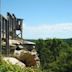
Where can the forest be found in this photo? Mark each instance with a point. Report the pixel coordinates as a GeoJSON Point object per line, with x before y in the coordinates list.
{"type": "Point", "coordinates": [55, 54]}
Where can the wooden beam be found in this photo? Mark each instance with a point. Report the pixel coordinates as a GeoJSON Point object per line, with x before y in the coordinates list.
{"type": "Point", "coordinates": [7, 36]}
{"type": "Point", "coordinates": [0, 28]}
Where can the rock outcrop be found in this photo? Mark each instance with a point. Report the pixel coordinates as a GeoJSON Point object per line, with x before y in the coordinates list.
{"type": "Point", "coordinates": [18, 54]}
{"type": "Point", "coordinates": [14, 61]}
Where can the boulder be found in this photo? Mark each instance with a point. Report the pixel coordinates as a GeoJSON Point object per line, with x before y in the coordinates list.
{"type": "Point", "coordinates": [14, 61]}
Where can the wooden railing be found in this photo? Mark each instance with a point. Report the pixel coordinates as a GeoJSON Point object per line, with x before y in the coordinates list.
{"type": "Point", "coordinates": [8, 27]}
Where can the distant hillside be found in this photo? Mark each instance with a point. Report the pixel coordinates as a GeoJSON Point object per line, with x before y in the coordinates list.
{"type": "Point", "coordinates": [69, 41]}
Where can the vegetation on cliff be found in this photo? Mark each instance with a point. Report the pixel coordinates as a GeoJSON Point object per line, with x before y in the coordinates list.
{"type": "Point", "coordinates": [8, 67]}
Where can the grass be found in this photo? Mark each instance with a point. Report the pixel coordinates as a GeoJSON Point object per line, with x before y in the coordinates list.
{"type": "Point", "coordinates": [7, 67]}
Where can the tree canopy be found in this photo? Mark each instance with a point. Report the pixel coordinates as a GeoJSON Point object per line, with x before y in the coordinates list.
{"type": "Point", "coordinates": [55, 54]}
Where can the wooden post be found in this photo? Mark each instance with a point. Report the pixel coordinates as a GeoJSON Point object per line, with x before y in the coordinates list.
{"type": "Point", "coordinates": [19, 26]}
{"type": "Point", "coordinates": [3, 21]}
{"type": "Point", "coordinates": [0, 34]}
{"type": "Point", "coordinates": [7, 36]}
{"type": "Point", "coordinates": [0, 28]}
{"type": "Point", "coordinates": [14, 26]}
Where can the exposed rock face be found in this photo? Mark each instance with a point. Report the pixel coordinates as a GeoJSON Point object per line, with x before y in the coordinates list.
{"type": "Point", "coordinates": [18, 53]}
{"type": "Point", "coordinates": [34, 53]}
{"type": "Point", "coordinates": [14, 61]}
